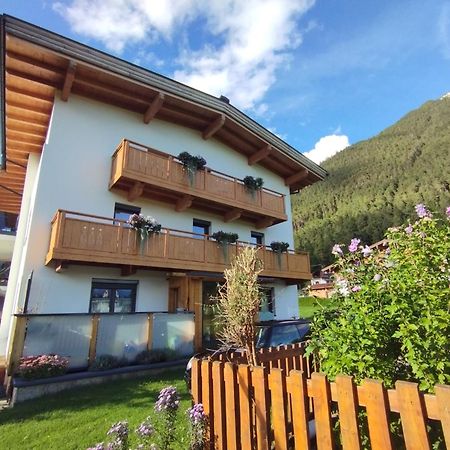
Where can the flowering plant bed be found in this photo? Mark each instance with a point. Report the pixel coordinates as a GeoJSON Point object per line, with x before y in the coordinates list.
{"type": "Point", "coordinates": [146, 225]}
{"type": "Point", "coordinates": [253, 184]}
{"type": "Point", "coordinates": [279, 247]}
{"type": "Point", "coordinates": [42, 366]}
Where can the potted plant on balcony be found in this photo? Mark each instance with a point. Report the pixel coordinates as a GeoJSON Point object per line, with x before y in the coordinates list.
{"type": "Point", "coordinates": [144, 226]}
{"type": "Point", "coordinates": [191, 164]}
{"type": "Point", "coordinates": [278, 248]}
{"type": "Point", "coordinates": [253, 185]}
{"type": "Point", "coordinates": [223, 239]}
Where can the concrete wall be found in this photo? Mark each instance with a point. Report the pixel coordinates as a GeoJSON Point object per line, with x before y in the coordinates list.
{"type": "Point", "coordinates": [74, 175]}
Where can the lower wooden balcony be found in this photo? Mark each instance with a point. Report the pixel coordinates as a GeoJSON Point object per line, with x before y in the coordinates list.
{"type": "Point", "coordinates": [87, 239]}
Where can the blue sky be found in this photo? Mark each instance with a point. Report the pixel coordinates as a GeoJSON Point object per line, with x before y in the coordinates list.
{"type": "Point", "coordinates": [319, 73]}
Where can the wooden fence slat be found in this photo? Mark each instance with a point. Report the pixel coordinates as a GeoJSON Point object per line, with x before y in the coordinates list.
{"type": "Point", "coordinates": [412, 415]}
{"type": "Point", "coordinates": [246, 425]}
{"type": "Point", "coordinates": [232, 407]}
{"type": "Point", "coordinates": [218, 405]}
{"type": "Point", "coordinates": [443, 401]}
{"type": "Point", "coordinates": [259, 382]}
{"type": "Point", "coordinates": [322, 411]}
{"type": "Point", "coordinates": [196, 388]}
{"type": "Point", "coordinates": [348, 412]}
{"type": "Point", "coordinates": [207, 399]}
{"type": "Point", "coordinates": [296, 385]}
{"type": "Point", "coordinates": [277, 385]}
{"type": "Point", "coordinates": [377, 415]}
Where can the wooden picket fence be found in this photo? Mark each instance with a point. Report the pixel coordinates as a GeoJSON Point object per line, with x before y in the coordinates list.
{"type": "Point", "coordinates": [261, 408]}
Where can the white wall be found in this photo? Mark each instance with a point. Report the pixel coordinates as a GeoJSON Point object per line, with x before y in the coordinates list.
{"type": "Point", "coordinates": [74, 175]}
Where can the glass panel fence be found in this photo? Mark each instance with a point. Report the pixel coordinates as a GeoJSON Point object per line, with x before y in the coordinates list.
{"type": "Point", "coordinates": [174, 331]}
{"type": "Point", "coordinates": [62, 335]}
{"type": "Point", "coordinates": [123, 336]}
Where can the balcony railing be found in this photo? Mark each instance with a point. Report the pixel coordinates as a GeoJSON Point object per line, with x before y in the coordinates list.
{"type": "Point", "coordinates": [140, 170]}
{"type": "Point", "coordinates": [77, 237]}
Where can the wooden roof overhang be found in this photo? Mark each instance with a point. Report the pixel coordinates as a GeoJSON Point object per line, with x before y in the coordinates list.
{"type": "Point", "coordinates": [37, 64]}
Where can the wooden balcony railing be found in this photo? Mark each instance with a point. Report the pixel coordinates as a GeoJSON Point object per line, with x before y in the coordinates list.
{"type": "Point", "coordinates": [77, 237]}
{"type": "Point", "coordinates": [142, 171]}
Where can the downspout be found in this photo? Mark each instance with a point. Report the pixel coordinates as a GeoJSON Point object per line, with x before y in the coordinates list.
{"type": "Point", "coordinates": [2, 94]}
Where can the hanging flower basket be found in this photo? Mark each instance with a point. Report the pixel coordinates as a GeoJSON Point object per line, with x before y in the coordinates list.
{"type": "Point", "coordinates": [253, 185]}
{"type": "Point", "coordinates": [145, 227]}
{"type": "Point", "coordinates": [191, 164]}
{"type": "Point", "coordinates": [224, 239]}
{"type": "Point", "coordinates": [278, 248]}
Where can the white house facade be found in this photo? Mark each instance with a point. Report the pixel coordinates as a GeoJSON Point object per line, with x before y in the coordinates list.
{"type": "Point", "coordinates": [89, 140]}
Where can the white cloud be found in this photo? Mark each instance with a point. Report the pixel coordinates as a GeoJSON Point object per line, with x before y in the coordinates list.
{"type": "Point", "coordinates": [327, 146]}
{"type": "Point", "coordinates": [249, 40]}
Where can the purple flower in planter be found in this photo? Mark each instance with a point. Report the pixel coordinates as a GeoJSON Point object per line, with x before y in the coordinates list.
{"type": "Point", "coordinates": [422, 211]}
{"type": "Point", "coordinates": [167, 400]}
{"type": "Point", "coordinates": [354, 245]}
{"type": "Point", "coordinates": [409, 229]}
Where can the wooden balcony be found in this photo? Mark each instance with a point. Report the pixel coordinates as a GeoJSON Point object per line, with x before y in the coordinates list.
{"type": "Point", "coordinates": [141, 171]}
{"type": "Point", "coordinates": [85, 239]}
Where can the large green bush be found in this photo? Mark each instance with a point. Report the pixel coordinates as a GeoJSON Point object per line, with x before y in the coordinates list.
{"type": "Point", "coordinates": [389, 317]}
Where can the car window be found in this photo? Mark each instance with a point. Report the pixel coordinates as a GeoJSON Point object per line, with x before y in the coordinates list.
{"type": "Point", "coordinates": [262, 336]}
{"type": "Point", "coordinates": [283, 335]}
{"type": "Point", "coordinates": [303, 329]}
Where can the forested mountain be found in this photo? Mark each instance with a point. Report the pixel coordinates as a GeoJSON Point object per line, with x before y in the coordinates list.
{"type": "Point", "coordinates": [375, 184]}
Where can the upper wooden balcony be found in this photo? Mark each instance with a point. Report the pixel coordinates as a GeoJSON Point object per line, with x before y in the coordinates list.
{"type": "Point", "coordinates": [86, 239]}
{"type": "Point", "coordinates": [142, 171]}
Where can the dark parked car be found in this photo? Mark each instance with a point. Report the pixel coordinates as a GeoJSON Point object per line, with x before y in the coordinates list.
{"type": "Point", "coordinates": [268, 334]}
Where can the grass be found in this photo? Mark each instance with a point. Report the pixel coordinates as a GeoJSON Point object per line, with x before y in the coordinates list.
{"type": "Point", "coordinates": [307, 306]}
{"type": "Point", "coordinates": [80, 418]}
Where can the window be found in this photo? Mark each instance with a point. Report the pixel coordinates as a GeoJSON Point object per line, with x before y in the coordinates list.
{"type": "Point", "coordinates": [256, 238]}
{"type": "Point", "coordinates": [123, 212]}
{"type": "Point", "coordinates": [201, 226]}
{"type": "Point", "coordinates": [267, 300]}
{"type": "Point", "coordinates": [113, 297]}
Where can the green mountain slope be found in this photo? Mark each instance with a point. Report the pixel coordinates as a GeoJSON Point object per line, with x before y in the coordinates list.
{"type": "Point", "coordinates": [375, 184]}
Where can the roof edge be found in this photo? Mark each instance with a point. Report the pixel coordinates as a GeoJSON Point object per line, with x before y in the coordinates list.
{"type": "Point", "coordinates": [72, 49]}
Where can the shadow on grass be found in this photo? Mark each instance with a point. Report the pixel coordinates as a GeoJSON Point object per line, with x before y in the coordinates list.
{"type": "Point", "coordinates": [131, 393]}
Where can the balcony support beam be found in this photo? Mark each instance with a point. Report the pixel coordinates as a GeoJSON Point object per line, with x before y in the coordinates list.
{"type": "Point", "coordinates": [154, 107]}
{"type": "Point", "coordinates": [183, 203]}
{"type": "Point", "coordinates": [135, 191]}
{"type": "Point", "coordinates": [264, 223]}
{"type": "Point", "coordinates": [68, 81]}
{"type": "Point", "coordinates": [60, 266]}
{"type": "Point", "coordinates": [232, 215]}
{"type": "Point", "coordinates": [213, 127]}
{"type": "Point", "coordinates": [296, 177]}
{"type": "Point", "coordinates": [127, 270]}
{"type": "Point", "coordinates": [259, 155]}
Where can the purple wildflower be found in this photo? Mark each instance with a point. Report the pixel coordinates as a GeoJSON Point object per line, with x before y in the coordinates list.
{"type": "Point", "coordinates": [337, 250]}
{"type": "Point", "coordinates": [366, 251]}
{"type": "Point", "coordinates": [377, 277]}
{"type": "Point", "coordinates": [197, 414]}
{"type": "Point", "coordinates": [356, 288]}
{"type": "Point", "coordinates": [167, 400]}
{"type": "Point", "coordinates": [119, 428]}
{"type": "Point", "coordinates": [447, 211]}
{"type": "Point", "coordinates": [422, 211]}
{"type": "Point", "coordinates": [409, 229]}
{"type": "Point", "coordinates": [354, 245]}
{"type": "Point", "coordinates": [99, 446]}
{"type": "Point", "coordinates": [145, 429]}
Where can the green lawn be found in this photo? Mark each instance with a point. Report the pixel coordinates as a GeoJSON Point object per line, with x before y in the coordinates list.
{"type": "Point", "coordinates": [307, 306]}
{"type": "Point", "coordinates": [81, 417]}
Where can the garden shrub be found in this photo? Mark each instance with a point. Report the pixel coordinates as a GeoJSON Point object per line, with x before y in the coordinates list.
{"type": "Point", "coordinates": [156, 355]}
{"type": "Point", "coordinates": [106, 362]}
{"type": "Point", "coordinates": [389, 316]}
{"type": "Point", "coordinates": [42, 366]}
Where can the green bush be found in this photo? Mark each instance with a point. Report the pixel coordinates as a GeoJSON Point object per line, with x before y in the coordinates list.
{"type": "Point", "coordinates": [389, 318]}
{"type": "Point", "coordinates": [156, 355]}
{"type": "Point", "coordinates": [107, 362]}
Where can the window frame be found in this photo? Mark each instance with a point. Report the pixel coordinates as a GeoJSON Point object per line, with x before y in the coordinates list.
{"type": "Point", "coordinates": [112, 286]}
{"type": "Point", "coordinates": [257, 235]}
{"type": "Point", "coordinates": [126, 209]}
{"type": "Point", "coordinates": [201, 223]}
{"type": "Point", "coordinates": [271, 308]}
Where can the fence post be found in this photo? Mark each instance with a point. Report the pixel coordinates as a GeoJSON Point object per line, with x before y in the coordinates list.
{"type": "Point", "coordinates": [277, 385]}
{"type": "Point", "coordinates": [17, 343]}
{"type": "Point", "coordinates": [93, 341]}
{"type": "Point", "coordinates": [322, 411]}
{"type": "Point", "coordinates": [207, 399]}
{"type": "Point", "coordinates": [297, 387]}
{"type": "Point", "coordinates": [246, 423]}
{"type": "Point", "coordinates": [348, 412]}
{"type": "Point", "coordinates": [412, 415]}
{"type": "Point", "coordinates": [149, 331]}
{"type": "Point", "coordinates": [232, 406]}
{"type": "Point", "coordinates": [196, 387]}
{"type": "Point", "coordinates": [377, 415]}
{"type": "Point", "coordinates": [219, 406]}
{"type": "Point", "coordinates": [259, 382]}
{"type": "Point", "coordinates": [443, 402]}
